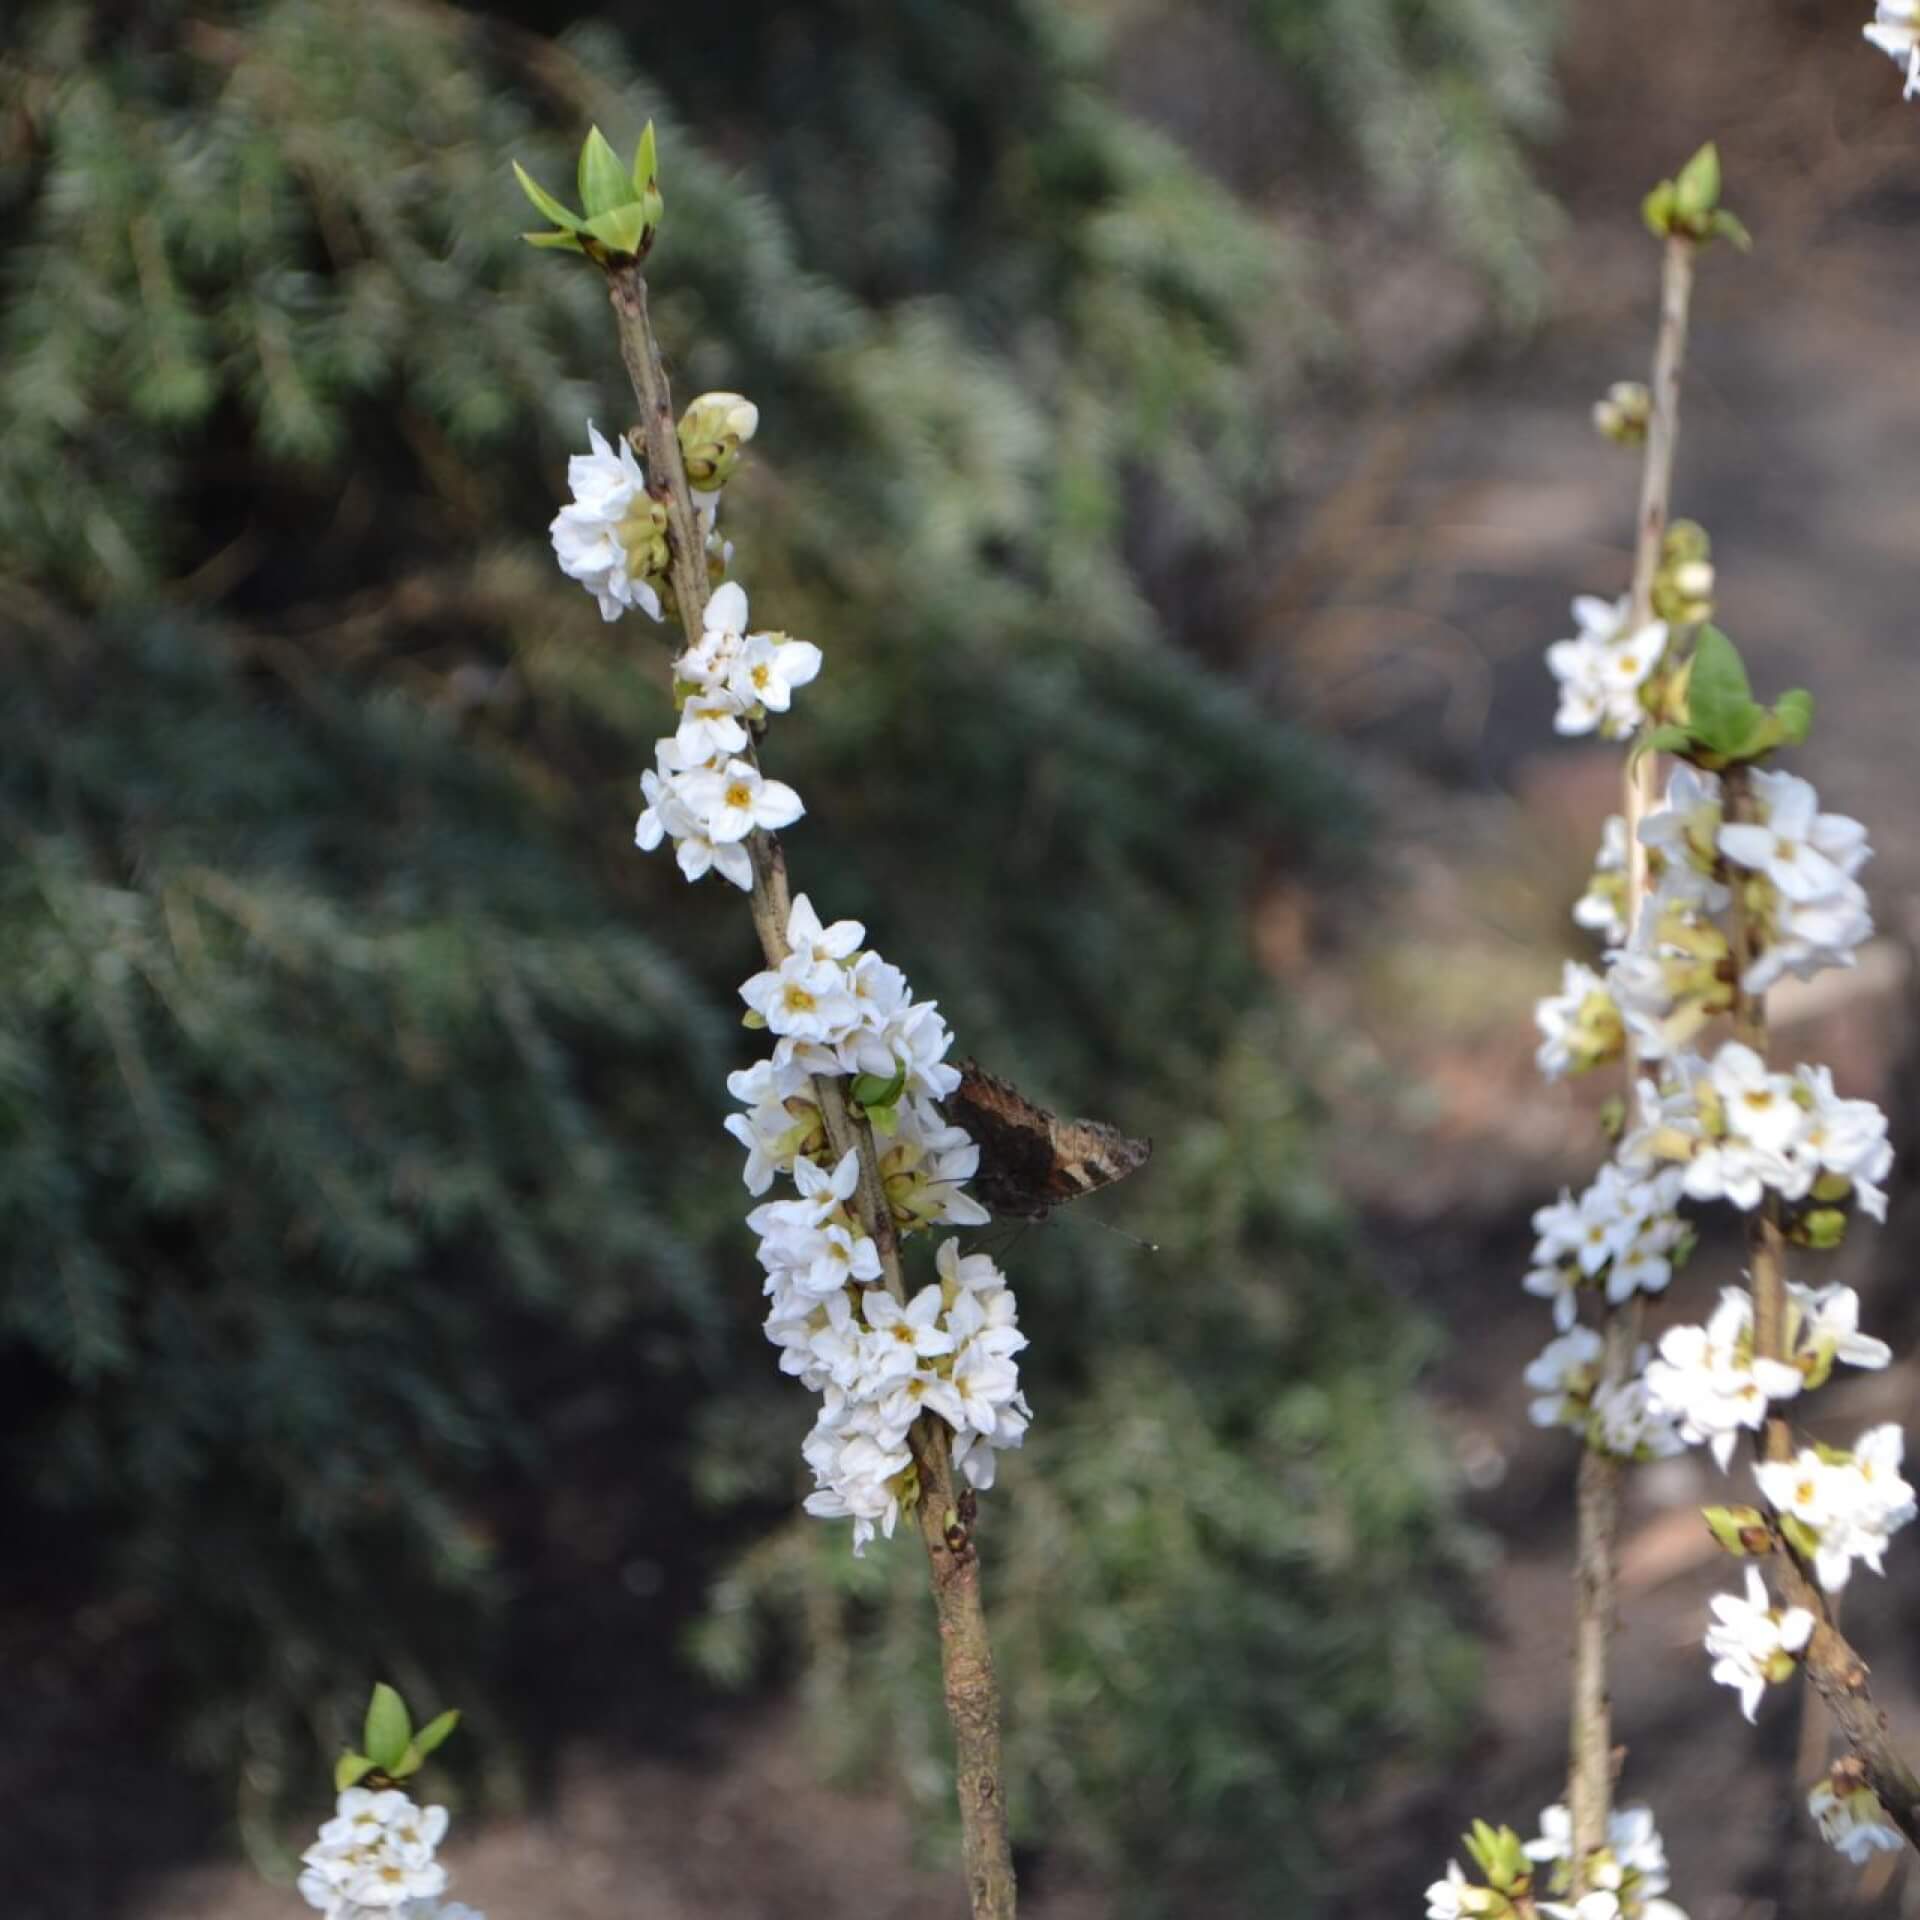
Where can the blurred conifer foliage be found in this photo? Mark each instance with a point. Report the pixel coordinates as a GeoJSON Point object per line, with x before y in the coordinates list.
{"type": "Point", "coordinates": [372, 1289]}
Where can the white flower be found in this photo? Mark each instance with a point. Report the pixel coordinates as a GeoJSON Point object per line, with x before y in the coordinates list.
{"type": "Point", "coordinates": [1847, 1137]}
{"type": "Point", "coordinates": [768, 669]}
{"type": "Point", "coordinates": [1628, 1423]}
{"type": "Point", "coordinates": [1599, 908]}
{"type": "Point", "coordinates": [1760, 1107]}
{"type": "Point", "coordinates": [1752, 1643]}
{"type": "Point", "coordinates": [1853, 1823]}
{"type": "Point", "coordinates": [1707, 1382]}
{"type": "Point", "coordinates": [375, 1854]}
{"type": "Point", "coordinates": [1562, 1376]}
{"type": "Point", "coordinates": [1827, 1326]}
{"type": "Point", "coordinates": [1807, 854]}
{"type": "Point", "coordinates": [591, 534]}
{"type": "Point", "coordinates": [1446, 1899]}
{"type": "Point", "coordinates": [1601, 669]}
{"type": "Point", "coordinates": [737, 799]}
{"type": "Point", "coordinates": [1853, 1505]}
{"type": "Point", "coordinates": [1578, 1026]}
{"type": "Point", "coordinates": [1896, 32]}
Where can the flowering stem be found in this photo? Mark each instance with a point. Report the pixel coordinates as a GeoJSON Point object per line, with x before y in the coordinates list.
{"type": "Point", "coordinates": [1590, 1763]}
{"type": "Point", "coordinates": [945, 1515]}
{"type": "Point", "coordinates": [1837, 1673]}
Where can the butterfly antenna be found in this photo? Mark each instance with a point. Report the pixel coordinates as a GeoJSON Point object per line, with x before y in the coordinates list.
{"type": "Point", "coordinates": [1107, 1226]}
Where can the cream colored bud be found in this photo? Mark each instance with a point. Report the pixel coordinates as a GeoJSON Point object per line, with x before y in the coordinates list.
{"type": "Point", "coordinates": [1694, 580]}
{"type": "Point", "coordinates": [712, 431]}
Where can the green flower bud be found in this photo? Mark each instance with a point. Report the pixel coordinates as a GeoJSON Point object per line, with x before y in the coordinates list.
{"type": "Point", "coordinates": [623, 208]}
{"type": "Point", "coordinates": [712, 432]}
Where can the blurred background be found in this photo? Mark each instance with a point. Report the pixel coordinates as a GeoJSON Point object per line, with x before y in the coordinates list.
{"type": "Point", "coordinates": [1174, 428]}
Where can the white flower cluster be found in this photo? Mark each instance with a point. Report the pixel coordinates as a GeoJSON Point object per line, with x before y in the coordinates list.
{"type": "Point", "coordinates": [1601, 669]}
{"type": "Point", "coordinates": [1814, 912]}
{"type": "Point", "coordinates": [1852, 1821]}
{"type": "Point", "coordinates": [1737, 1129]}
{"type": "Point", "coordinates": [877, 1363]}
{"type": "Point", "coordinates": [1629, 1874]}
{"type": "Point", "coordinates": [1622, 1235]}
{"type": "Point", "coordinates": [375, 1857]}
{"type": "Point", "coordinates": [1619, 1418]}
{"type": "Point", "coordinates": [1708, 1382]}
{"type": "Point", "coordinates": [611, 536]}
{"type": "Point", "coordinates": [706, 793]}
{"type": "Point", "coordinates": [1752, 1643]}
{"type": "Point", "coordinates": [1848, 1506]}
{"type": "Point", "coordinates": [1896, 32]}
{"type": "Point", "coordinates": [1628, 1881]}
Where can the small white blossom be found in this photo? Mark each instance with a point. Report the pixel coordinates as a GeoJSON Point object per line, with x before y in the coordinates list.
{"type": "Point", "coordinates": [1752, 1643]}
{"type": "Point", "coordinates": [1601, 669]}
{"type": "Point", "coordinates": [1852, 1505]}
{"type": "Point", "coordinates": [1600, 909]}
{"type": "Point", "coordinates": [1579, 1025]}
{"type": "Point", "coordinates": [1853, 1823]}
{"type": "Point", "coordinates": [1562, 1376]}
{"type": "Point", "coordinates": [592, 533]}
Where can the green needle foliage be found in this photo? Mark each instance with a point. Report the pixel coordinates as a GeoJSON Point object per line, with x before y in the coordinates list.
{"type": "Point", "coordinates": [360, 1087]}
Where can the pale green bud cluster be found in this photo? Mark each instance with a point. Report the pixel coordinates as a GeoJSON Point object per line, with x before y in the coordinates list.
{"type": "Point", "coordinates": [1683, 586]}
{"type": "Point", "coordinates": [1688, 206]}
{"type": "Point", "coordinates": [1622, 415]}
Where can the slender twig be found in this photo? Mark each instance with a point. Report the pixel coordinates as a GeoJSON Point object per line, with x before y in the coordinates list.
{"type": "Point", "coordinates": [944, 1513]}
{"type": "Point", "coordinates": [1590, 1761]}
{"type": "Point", "coordinates": [1835, 1671]}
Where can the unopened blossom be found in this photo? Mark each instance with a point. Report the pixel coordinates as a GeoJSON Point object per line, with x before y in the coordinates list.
{"type": "Point", "coordinates": [1601, 669]}
{"type": "Point", "coordinates": [1754, 1644]}
{"type": "Point", "coordinates": [1850, 1504]}
{"type": "Point", "coordinates": [1895, 30]}
{"type": "Point", "coordinates": [1853, 1822]}
{"type": "Point", "coordinates": [610, 536]}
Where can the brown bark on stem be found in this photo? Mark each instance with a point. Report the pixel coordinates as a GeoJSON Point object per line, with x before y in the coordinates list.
{"type": "Point", "coordinates": [1833, 1669]}
{"type": "Point", "coordinates": [1590, 1756]}
{"type": "Point", "coordinates": [944, 1513]}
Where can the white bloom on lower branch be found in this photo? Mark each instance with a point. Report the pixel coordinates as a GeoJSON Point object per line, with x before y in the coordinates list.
{"type": "Point", "coordinates": [1842, 1507]}
{"type": "Point", "coordinates": [1752, 1643]}
{"type": "Point", "coordinates": [1579, 1026]}
{"type": "Point", "coordinates": [1852, 1821]}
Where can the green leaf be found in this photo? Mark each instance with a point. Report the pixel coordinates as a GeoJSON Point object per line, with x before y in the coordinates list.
{"type": "Point", "coordinates": [1719, 696]}
{"type": "Point", "coordinates": [1729, 226]}
{"type": "Point", "coordinates": [1697, 191]}
{"type": "Point", "coordinates": [350, 1769]}
{"type": "Point", "coordinates": [409, 1762]}
{"type": "Point", "coordinates": [1668, 739]}
{"type": "Point", "coordinates": [1657, 209]}
{"type": "Point", "coordinates": [570, 241]}
{"type": "Point", "coordinates": [603, 180]}
{"type": "Point", "coordinates": [560, 216]}
{"type": "Point", "coordinates": [645, 165]}
{"type": "Point", "coordinates": [388, 1727]}
{"type": "Point", "coordinates": [1794, 711]}
{"type": "Point", "coordinates": [622, 228]}
{"type": "Point", "coordinates": [435, 1732]}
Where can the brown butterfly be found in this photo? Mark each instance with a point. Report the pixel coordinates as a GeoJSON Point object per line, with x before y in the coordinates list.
{"type": "Point", "coordinates": [1031, 1160]}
